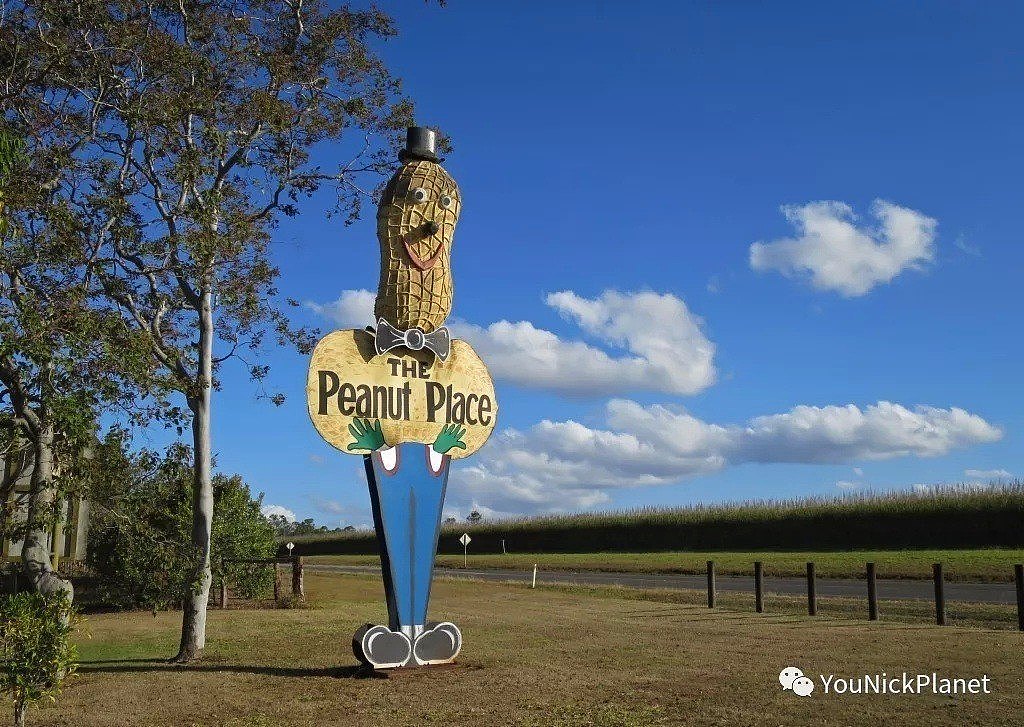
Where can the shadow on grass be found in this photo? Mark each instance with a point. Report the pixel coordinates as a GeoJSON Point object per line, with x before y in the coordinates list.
{"type": "Point", "coordinates": [115, 666]}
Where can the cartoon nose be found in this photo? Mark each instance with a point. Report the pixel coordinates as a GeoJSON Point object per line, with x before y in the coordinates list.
{"type": "Point", "coordinates": [430, 227]}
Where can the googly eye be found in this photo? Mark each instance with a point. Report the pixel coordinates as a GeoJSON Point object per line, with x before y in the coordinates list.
{"type": "Point", "coordinates": [446, 201]}
{"type": "Point", "coordinates": [419, 194]}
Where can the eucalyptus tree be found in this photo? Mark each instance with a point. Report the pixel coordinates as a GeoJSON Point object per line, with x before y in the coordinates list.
{"type": "Point", "coordinates": [186, 130]}
{"type": "Point", "coordinates": [60, 357]}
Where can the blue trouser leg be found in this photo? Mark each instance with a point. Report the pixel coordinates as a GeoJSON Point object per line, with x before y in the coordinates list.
{"type": "Point", "coordinates": [428, 499]}
{"type": "Point", "coordinates": [407, 515]}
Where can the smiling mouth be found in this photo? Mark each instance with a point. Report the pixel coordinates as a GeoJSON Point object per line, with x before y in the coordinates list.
{"type": "Point", "coordinates": [425, 230]}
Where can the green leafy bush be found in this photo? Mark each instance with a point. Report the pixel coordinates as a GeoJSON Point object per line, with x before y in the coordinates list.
{"type": "Point", "coordinates": [140, 532]}
{"type": "Point", "coordinates": [36, 654]}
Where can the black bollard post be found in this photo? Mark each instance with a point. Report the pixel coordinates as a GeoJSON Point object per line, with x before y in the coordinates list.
{"type": "Point", "coordinates": [758, 586]}
{"type": "Point", "coordinates": [812, 595]}
{"type": "Point", "coordinates": [872, 594]}
{"type": "Point", "coordinates": [1018, 573]}
{"type": "Point", "coordinates": [940, 596]}
{"type": "Point", "coordinates": [711, 584]}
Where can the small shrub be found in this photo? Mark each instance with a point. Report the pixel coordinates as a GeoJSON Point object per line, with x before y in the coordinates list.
{"type": "Point", "coordinates": [292, 601]}
{"type": "Point", "coordinates": [36, 654]}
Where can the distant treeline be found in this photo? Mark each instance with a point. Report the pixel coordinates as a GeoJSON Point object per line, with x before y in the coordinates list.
{"type": "Point", "coordinates": [945, 517]}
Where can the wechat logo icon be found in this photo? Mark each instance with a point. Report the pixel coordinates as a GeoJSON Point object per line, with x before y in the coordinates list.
{"type": "Point", "coordinates": [793, 679]}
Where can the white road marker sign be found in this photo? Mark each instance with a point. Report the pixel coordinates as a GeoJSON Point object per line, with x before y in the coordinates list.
{"type": "Point", "coordinates": [465, 540]}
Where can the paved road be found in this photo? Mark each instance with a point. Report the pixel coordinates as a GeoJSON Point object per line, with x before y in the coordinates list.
{"type": "Point", "coordinates": [848, 587]}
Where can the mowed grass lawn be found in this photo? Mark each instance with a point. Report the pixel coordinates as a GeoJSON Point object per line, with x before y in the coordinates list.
{"type": "Point", "coordinates": [991, 564]}
{"type": "Point", "coordinates": [544, 657]}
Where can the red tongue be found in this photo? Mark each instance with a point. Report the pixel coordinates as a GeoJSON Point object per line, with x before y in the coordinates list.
{"type": "Point", "coordinates": [419, 262]}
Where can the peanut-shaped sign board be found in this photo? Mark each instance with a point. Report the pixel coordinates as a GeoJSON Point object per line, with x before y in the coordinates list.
{"type": "Point", "coordinates": [412, 393]}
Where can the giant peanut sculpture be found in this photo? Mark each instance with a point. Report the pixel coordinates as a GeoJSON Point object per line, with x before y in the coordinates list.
{"type": "Point", "coordinates": [408, 399]}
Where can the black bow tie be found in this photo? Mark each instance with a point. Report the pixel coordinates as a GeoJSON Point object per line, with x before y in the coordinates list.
{"type": "Point", "coordinates": [387, 337]}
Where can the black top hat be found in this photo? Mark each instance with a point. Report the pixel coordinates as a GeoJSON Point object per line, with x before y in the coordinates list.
{"type": "Point", "coordinates": [420, 143]}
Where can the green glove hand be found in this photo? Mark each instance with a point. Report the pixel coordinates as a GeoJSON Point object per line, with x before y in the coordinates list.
{"type": "Point", "coordinates": [450, 436]}
{"type": "Point", "coordinates": [367, 435]}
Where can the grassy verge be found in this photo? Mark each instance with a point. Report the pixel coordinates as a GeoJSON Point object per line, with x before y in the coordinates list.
{"type": "Point", "coordinates": [991, 564]}
{"type": "Point", "coordinates": [546, 658]}
{"type": "Point", "coordinates": [910, 613]}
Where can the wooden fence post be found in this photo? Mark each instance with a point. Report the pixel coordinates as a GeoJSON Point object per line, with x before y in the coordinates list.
{"type": "Point", "coordinates": [872, 594]}
{"type": "Point", "coordinates": [223, 584]}
{"type": "Point", "coordinates": [297, 586]}
{"type": "Point", "coordinates": [812, 595]}
{"type": "Point", "coordinates": [758, 586]}
{"type": "Point", "coordinates": [711, 584]}
{"type": "Point", "coordinates": [940, 596]}
{"type": "Point", "coordinates": [277, 584]}
{"type": "Point", "coordinates": [1018, 573]}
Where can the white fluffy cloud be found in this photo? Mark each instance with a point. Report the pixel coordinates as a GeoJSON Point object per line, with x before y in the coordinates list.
{"type": "Point", "coordinates": [987, 474]}
{"type": "Point", "coordinates": [352, 309]}
{"type": "Point", "coordinates": [670, 353]}
{"type": "Point", "coordinates": [280, 510]}
{"type": "Point", "coordinates": [840, 255]}
{"type": "Point", "coordinates": [567, 465]}
{"type": "Point", "coordinates": [666, 349]}
{"type": "Point", "coordinates": [843, 433]}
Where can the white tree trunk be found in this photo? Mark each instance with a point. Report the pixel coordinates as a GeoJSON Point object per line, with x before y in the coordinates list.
{"type": "Point", "coordinates": [35, 554]}
{"type": "Point", "coordinates": [193, 627]}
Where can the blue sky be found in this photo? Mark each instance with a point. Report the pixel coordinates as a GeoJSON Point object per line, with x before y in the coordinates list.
{"type": "Point", "coordinates": [871, 340]}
